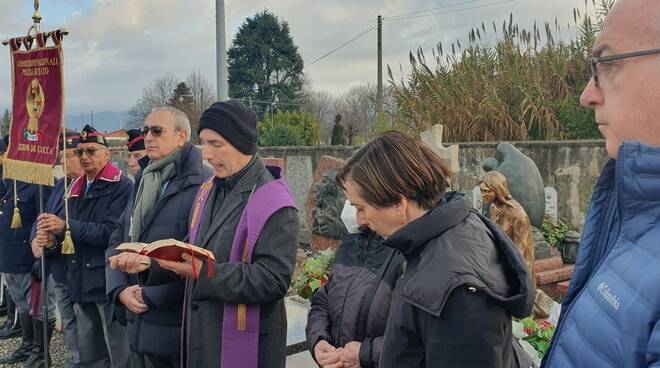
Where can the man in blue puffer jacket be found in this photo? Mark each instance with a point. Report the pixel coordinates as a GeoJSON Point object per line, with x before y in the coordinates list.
{"type": "Point", "coordinates": [611, 313]}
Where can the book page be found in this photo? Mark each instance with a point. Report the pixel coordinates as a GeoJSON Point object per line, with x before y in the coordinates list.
{"type": "Point", "coordinates": [131, 247]}
{"type": "Point", "coordinates": [156, 249]}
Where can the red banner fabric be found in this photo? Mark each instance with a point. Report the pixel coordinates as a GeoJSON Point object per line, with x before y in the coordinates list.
{"type": "Point", "coordinates": [37, 112]}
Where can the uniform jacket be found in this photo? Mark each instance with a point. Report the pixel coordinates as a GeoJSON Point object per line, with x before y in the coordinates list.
{"type": "Point", "coordinates": [93, 216]}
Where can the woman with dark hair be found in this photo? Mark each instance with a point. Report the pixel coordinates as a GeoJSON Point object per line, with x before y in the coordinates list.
{"type": "Point", "coordinates": [509, 214]}
{"type": "Point", "coordinates": [464, 279]}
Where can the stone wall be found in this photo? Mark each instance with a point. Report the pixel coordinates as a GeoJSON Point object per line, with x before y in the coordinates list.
{"type": "Point", "coordinates": [571, 167]}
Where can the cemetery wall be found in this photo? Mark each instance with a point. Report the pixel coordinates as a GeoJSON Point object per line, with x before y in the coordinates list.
{"type": "Point", "coordinates": [571, 167]}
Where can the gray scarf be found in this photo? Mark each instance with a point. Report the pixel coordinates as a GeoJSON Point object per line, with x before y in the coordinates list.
{"type": "Point", "coordinates": [153, 177]}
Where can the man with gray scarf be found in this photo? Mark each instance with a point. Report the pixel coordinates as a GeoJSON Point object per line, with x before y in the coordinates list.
{"type": "Point", "coordinates": [149, 301]}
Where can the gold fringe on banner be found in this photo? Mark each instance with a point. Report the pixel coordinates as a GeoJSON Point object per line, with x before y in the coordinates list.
{"type": "Point", "coordinates": [16, 219]}
{"type": "Point", "coordinates": [28, 172]}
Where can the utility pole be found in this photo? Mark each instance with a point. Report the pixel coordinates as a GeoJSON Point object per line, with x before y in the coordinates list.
{"type": "Point", "coordinates": [201, 102]}
{"type": "Point", "coordinates": [379, 91]}
{"type": "Point", "coordinates": [221, 51]}
{"type": "Point", "coordinates": [91, 112]}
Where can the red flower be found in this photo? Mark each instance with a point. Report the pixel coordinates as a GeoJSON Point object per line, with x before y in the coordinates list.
{"type": "Point", "coordinates": [529, 331]}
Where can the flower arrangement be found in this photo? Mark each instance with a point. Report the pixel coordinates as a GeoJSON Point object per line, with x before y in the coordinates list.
{"type": "Point", "coordinates": [539, 334]}
{"type": "Point", "coordinates": [314, 273]}
{"type": "Point", "coordinates": [554, 233]}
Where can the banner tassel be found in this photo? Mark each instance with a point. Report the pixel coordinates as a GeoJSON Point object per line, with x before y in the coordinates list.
{"type": "Point", "coordinates": [67, 244]}
{"type": "Point", "coordinates": [16, 219]}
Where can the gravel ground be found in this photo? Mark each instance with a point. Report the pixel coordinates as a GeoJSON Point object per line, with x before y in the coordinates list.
{"type": "Point", "coordinates": [58, 349]}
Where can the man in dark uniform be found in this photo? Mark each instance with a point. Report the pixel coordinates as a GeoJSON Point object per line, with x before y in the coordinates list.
{"type": "Point", "coordinates": [136, 149]}
{"type": "Point", "coordinates": [12, 325]}
{"type": "Point", "coordinates": [16, 259]}
{"type": "Point", "coordinates": [96, 201]}
{"type": "Point", "coordinates": [56, 261]}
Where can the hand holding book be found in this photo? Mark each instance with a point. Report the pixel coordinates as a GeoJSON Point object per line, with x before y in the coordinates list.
{"type": "Point", "coordinates": [166, 249]}
{"type": "Point", "coordinates": [129, 262]}
{"type": "Point", "coordinates": [179, 257]}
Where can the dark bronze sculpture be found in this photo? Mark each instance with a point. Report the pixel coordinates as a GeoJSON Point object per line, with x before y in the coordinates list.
{"type": "Point", "coordinates": [329, 204]}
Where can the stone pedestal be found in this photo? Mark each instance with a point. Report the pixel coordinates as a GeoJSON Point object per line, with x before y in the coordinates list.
{"type": "Point", "coordinates": [541, 247]}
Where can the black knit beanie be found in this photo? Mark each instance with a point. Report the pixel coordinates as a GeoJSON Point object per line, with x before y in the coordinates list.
{"type": "Point", "coordinates": [235, 122]}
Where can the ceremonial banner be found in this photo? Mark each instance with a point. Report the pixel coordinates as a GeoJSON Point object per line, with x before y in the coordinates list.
{"type": "Point", "coordinates": [37, 109]}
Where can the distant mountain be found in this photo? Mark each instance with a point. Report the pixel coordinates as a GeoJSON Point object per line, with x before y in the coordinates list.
{"type": "Point", "coordinates": [104, 121]}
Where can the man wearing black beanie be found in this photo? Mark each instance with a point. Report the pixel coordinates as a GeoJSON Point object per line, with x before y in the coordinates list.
{"type": "Point", "coordinates": [247, 217]}
{"type": "Point", "coordinates": [235, 122]}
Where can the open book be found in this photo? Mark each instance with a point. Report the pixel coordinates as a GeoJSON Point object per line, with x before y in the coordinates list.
{"type": "Point", "coordinates": [166, 249]}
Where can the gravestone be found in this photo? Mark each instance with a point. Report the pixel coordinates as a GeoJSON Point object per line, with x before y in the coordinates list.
{"type": "Point", "coordinates": [326, 213]}
{"type": "Point", "coordinates": [541, 247]}
{"type": "Point", "coordinates": [297, 310]}
{"type": "Point", "coordinates": [432, 137]}
{"type": "Point", "coordinates": [477, 200]}
{"type": "Point", "coordinates": [551, 203]}
{"type": "Point", "coordinates": [523, 177]}
{"type": "Point", "coordinates": [298, 176]}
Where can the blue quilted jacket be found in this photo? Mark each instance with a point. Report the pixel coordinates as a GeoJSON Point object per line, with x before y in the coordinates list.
{"type": "Point", "coordinates": [611, 313]}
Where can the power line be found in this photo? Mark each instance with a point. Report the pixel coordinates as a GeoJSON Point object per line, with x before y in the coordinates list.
{"type": "Point", "coordinates": [247, 100]}
{"type": "Point", "coordinates": [341, 46]}
{"type": "Point", "coordinates": [448, 11]}
{"type": "Point", "coordinates": [432, 9]}
{"type": "Point", "coordinates": [412, 15]}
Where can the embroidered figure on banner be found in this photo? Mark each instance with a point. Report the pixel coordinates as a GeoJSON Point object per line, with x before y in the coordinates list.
{"type": "Point", "coordinates": [34, 104]}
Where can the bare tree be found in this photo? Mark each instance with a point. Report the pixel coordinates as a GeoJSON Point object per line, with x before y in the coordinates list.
{"type": "Point", "coordinates": [321, 106]}
{"type": "Point", "coordinates": [157, 94]}
{"type": "Point", "coordinates": [202, 98]}
{"type": "Point", "coordinates": [358, 110]}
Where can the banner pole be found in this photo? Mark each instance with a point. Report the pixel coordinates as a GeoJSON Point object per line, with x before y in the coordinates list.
{"type": "Point", "coordinates": [44, 287]}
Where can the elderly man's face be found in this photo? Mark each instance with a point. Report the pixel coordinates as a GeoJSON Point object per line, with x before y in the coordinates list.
{"type": "Point", "coordinates": [73, 168]}
{"type": "Point", "coordinates": [626, 100]}
{"type": "Point", "coordinates": [133, 158]}
{"type": "Point", "coordinates": [162, 138]}
{"type": "Point", "coordinates": [93, 157]}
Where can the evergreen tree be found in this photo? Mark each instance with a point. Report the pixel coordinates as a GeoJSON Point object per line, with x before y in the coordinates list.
{"type": "Point", "coordinates": [289, 128]}
{"type": "Point", "coordinates": [181, 96]}
{"type": "Point", "coordinates": [264, 63]}
{"type": "Point", "coordinates": [337, 132]}
{"type": "Point", "coordinates": [4, 123]}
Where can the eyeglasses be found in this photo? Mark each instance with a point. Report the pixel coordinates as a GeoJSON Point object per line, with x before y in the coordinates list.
{"type": "Point", "coordinates": [156, 131]}
{"type": "Point", "coordinates": [89, 151]}
{"type": "Point", "coordinates": [595, 61]}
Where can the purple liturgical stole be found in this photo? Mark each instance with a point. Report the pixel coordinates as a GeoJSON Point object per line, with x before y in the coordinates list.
{"type": "Point", "coordinates": [240, 325]}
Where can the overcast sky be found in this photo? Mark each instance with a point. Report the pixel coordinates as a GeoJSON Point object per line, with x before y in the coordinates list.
{"type": "Point", "coordinates": [116, 47]}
